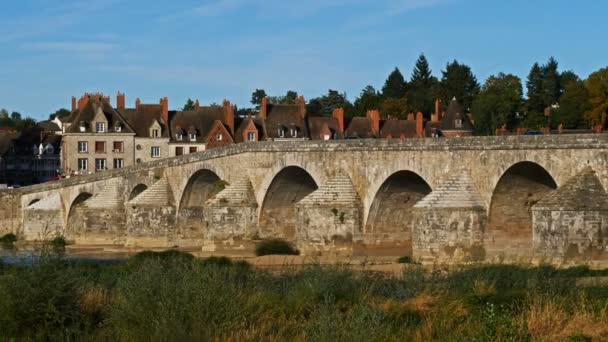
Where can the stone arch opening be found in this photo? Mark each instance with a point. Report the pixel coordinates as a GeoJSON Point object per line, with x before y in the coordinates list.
{"type": "Point", "coordinates": [278, 214]}
{"type": "Point", "coordinates": [74, 219]}
{"type": "Point", "coordinates": [202, 185]}
{"type": "Point", "coordinates": [33, 201]}
{"type": "Point", "coordinates": [509, 228]}
{"type": "Point", "coordinates": [137, 190]}
{"type": "Point", "coordinates": [389, 222]}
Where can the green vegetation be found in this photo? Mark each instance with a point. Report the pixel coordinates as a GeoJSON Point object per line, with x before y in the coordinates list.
{"type": "Point", "coordinates": [275, 247]}
{"type": "Point", "coordinates": [7, 241]}
{"type": "Point", "coordinates": [171, 296]}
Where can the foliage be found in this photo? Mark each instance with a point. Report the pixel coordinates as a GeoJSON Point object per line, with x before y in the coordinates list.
{"type": "Point", "coordinates": [60, 113]}
{"type": "Point", "coordinates": [15, 120]}
{"type": "Point", "coordinates": [7, 241]}
{"type": "Point", "coordinates": [534, 85]}
{"type": "Point", "coordinates": [572, 106]}
{"type": "Point", "coordinates": [395, 85]}
{"type": "Point", "coordinates": [257, 96]}
{"type": "Point", "coordinates": [289, 98]}
{"type": "Point", "coordinates": [422, 89]}
{"type": "Point", "coordinates": [458, 81]}
{"type": "Point", "coordinates": [324, 105]}
{"type": "Point", "coordinates": [368, 99]}
{"type": "Point", "coordinates": [597, 85]}
{"type": "Point", "coordinates": [275, 247]}
{"type": "Point", "coordinates": [497, 104]}
{"type": "Point", "coordinates": [394, 107]}
{"type": "Point", "coordinates": [189, 106]}
{"type": "Point", "coordinates": [534, 120]}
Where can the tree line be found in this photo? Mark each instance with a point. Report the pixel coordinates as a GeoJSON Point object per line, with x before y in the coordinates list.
{"type": "Point", "coordinates": [553, 98]}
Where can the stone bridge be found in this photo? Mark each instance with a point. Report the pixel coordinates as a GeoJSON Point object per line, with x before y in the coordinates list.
{"type": "Point", "coordinates": [471, 198]}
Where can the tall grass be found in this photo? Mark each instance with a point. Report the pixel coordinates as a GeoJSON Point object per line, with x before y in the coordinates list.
{"type": "Point", "coordinates": [172, 296]}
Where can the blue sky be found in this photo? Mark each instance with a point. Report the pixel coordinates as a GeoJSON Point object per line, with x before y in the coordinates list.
{"type": "Point", "coordinates": [215, 49]}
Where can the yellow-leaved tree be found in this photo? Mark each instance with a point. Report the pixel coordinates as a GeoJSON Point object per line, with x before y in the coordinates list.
{"type": "Point", "coordinates": [597, 85]}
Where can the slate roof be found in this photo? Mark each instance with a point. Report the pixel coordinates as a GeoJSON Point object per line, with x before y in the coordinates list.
{"type": "Point", "coordinates": [456, 112]}
{"type": "Point", "coordinates": [582, 192]}
{"type": "Point", "coordinates": [317, 125]}
{"type": "Point", "coordinates": [88, 113]}
{"type": "Point", "coordinates": [142, 118]}
{"type": "Point", "coordinates": [358, 127]}
{"type": "Point", "coordinates": [397, 128]}
{"type": "Point", "coordinates": [49, 126]}
{"type": "Point", "coordinates": [285, 116]}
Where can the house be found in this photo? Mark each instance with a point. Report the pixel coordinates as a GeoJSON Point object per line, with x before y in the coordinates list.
{"type": "Point", "coordinates": [284, 122]}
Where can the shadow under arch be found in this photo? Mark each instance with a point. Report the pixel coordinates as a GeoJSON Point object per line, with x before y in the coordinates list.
{"type": "Point", "coordinates": [73, 219]}
{"type": "Point", "coordinates": [278, 213]}
{"type": "Point", "coordinates": [137, 190]}
{"type": "Point", "coordinates": [36, 200]}
{"type": "Point", "coordinates": [388, 230]}
{"type": "Point", "coordinates": [509, 229]}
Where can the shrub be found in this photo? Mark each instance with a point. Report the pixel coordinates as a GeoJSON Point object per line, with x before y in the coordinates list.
{"type": "Point", "coordinates": [170, 255]}
{"type": "Point", "coordinates": [7, 241]}
{"type": "Point", "coordinates": [275, 247]}
{"type": "Point", "coordinates": [406, 259]}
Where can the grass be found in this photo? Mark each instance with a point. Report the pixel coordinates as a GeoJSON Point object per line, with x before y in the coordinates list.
{"type": "Point", "coordinates": [275, 247]}
{"type": "Point", "coordinates": [172, 296]}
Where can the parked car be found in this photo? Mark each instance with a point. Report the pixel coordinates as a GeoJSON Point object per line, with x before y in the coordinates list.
{"type": "Point", "coordinates": [533, 132]}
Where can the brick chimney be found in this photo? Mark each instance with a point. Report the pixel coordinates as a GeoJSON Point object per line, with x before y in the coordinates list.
{"type": "Point", "coordinates": [197, 105]}
{"type": "Point", "coordinates": [84, 99]}
{"type": "Point", "coordinates": [419, 124]}
{"type": "Point", "coordinates": [120, 100]}
{"type": "Point", "coordinates": [338, 114]}
{"type": "Point", "coordinates": [435, 116]}
{"type": "Point", "coordinates": [164, 103]}
{"type": "Point", "coordinates": [410, 117]}
{"type": "Point", "coordinates": [374, 117]}
{"type": "Point", "coordinates": [73, 103]}
{"type": "Point", "coordinates": [228, 115]}
{"type": "Point", "coordinates": [264, 107]}
{"type": "Point", "coordinates": [302, 104]}
{"type": "Point", "coordinates": [137, 103]}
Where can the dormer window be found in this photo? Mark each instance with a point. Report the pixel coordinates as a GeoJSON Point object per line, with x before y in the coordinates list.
{"type": "Point", "coordinates": [219, 137]}
{"type": "Point", "coordinates": [179, 136]}
{"type": "Point", "coordinates": [458, 123]}
{"type": "Point", "coordinates": [294, 132]}
{"type": "Point", "coordinates": [82, 127]}
{"type": "Point", "coordinates": [100, 127]}
{"type": "Point", "coordinates": [117, 128]}
{"type": "Point", "coordinates": [251, 136]}
{"type": "Point", "coordinates": [155, 133]}
{"type": "Point", "coordinates": [281, 133]}
{"type": "Point", "coordinates": [192, 136]}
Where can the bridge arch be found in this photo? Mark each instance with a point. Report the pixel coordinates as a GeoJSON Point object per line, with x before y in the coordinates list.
{"type": "Point", "coordinates": [201, 186]}
{"type": "Point", "coordinates": [278, 214]}
{"type": "Point", "coordinates": [73, 219]}
{"type": "Point", "coordinates": [509, 229]}
{"type": "Point", "coordinates": [137, 190]}
{"type": "Point", "coordinates": [390, 214]}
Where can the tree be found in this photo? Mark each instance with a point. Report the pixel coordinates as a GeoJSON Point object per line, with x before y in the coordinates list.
{"type": "Point", "coordinates": [368, 99]}
{"type": "Point", "coordinates": [395, 85]}
{"type": "Point", "coordinates": [422, 87]}
{"type": "Point", "coordinates": [458, 81]}
{"type": "Point", "coordinates": [572, 106]}
{"type": "Point", "coordinates": [189, 106]}
{"type": "Point", "coordinates": [60, 113]}
{"type": "Point", "coordinates": [290, 97]}
{"type": "Point", "coordinates": [324, 105]}
{"type": "Point", "coordinates": [565, 79]}
{"type": "Point", "coordinates": [395, 107]}
{"type": "Point", "coordinates": [551, 83]}
{"type": "Point", "coordinates": [16, 116]}
{"type": "Point", "coordinates": [25, 123]}
{"type": "Point", "coordinates": [534, 85]}
{"type": "Point", "coordinates": [597, 86]}
{"type": "Point", "coordinates": [498, 103]}
{"type": "Point", "coordinates": [257, 96]}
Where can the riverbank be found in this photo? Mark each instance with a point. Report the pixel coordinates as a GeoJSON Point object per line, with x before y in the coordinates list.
{"type": "Point", "coordinates": [173, 296]}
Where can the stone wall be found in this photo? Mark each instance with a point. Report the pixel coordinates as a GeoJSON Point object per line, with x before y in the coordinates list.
{"type": "Point", "coordinates": [327, 228]}
{"type": "Point", "coordinates": [10, 212]}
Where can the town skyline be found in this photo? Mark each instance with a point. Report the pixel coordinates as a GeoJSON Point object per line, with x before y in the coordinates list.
{"type": "Point", "coordinates": [72, 54]}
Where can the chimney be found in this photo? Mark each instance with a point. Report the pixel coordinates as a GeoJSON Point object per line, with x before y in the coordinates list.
{"type": "Point", "coordinates": [374, 117]}
{"type": "Point", "coordinates": [228, 115]}
{"type": "Point", "coordinates": [84, 99]}
{"type": "Point", "coordinates": [419, 124]}
{"type": "Point", "coordinates": [164, 103]}
{"type": "Point", "coordinates": [302, 104]}
{"type": "Point", "coordinates": [197, 105]}
{"type": "Point", "coordinates": [435, 116]}
{"type": "Point", "coordinates": [73, 103]}
{"type": "Point", "coordinates": [410, 117]}
{"type": "Point", "coordinates": [264, 107]}
{"type": "Point", "coordinates": [338, 114]}
{"type": "Point", "coordinates": [120, 100]}
{"type": "Point", "coordinates": [137, 102]}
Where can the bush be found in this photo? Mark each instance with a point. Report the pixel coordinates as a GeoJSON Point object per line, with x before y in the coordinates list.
{"type": "Point", "coordinates": [406, 259]}
{"type": "Point", "coordinates": [275, 247]}
{"type": "Point", "coordinates": [7, 241]}
{"type": "Point", "coordinates": [170, 255]}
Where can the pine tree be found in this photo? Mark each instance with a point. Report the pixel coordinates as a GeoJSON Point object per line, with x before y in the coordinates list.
{"type": "Point", "coordinates": [458, 81]}
{"type": "Point", "coordinates": [534, 85]}
{"type": "Point", "coordinates": [422, 88]}
{"type": "Point", "coordinates": [395, 85]}
{"type": "Point", "coordinates": [189, 105]}
{"type": "Point", "coordinates": [369, 99]}
{"type": "Point", "coordinates": [551, 83]}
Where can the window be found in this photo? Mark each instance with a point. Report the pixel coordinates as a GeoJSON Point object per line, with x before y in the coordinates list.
{"type": "Point", "coordinates": [294, 132]}
{"type": "Point", "coordinates": [458, 123]}
{"type": "Point", "coordinates": [100, 147]}
{"type": "Point", "coordinates": [100, 127]}
{"type": "Point", "coordinates": [251, 136]}
{"type": "Point", "coordinates": [219, 137]}
{"type": "Point", "coordinates": [100, 164]}
{"type": "Point", "coordinates": [118, 147]}
{"type": "Point", "coordinates": [326, 137]}
{"type": "Point", "coordinates": [192, 136]}
{"type": "Point", "coordinates": [281, 132]}
{"type": "Point", "coordinates": [179, 151]}
{"type": "Point", "coordinates": [179, 136]}
{"type": "Point", "coordinates": [83, 147]}
{"type": "Point", "coordinates": [155, 133]}
{"type": "Point", "coordinates": [83, 164]}
{"type": "Point", "coordinates": [192, 149]}
{"type": "Point", "coordinates": [117, 128]}
{"type": "Point", "coordinates": [119, 163]}
{"type": "Point", "coordinates": [155, 152]}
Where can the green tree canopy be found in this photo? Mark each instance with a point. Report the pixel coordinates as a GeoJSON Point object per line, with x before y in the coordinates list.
{"type": "Point", "coordinates": [368, 99]}
{"type": "Point", "coordinates": [394, 107]}
{"type": "Point", "coordinates": [189, 106]}
{"type": "Point", "coordinates": [572, 106]}
{"type": "Point", "coordinates": [422, 87]}
{"type": "Point", "coordinates": [534, 85]}
{"type": "Point", "coordinates": [324, 105]}
{"type": "Point", "coordinates": [60, 113]}
{"type": "Point", "coordinates": [597, 85]}
{"type": "Point", "coordinates": [497, 104]}
{"type": "Point", "coordinates": [551, 83]}
{"type": "Point", "coordinates": [257, 96]}
{"type": "Point", "coordinates": [395, 85]}
{"type": "Point", "coordinates": [458, 81]}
